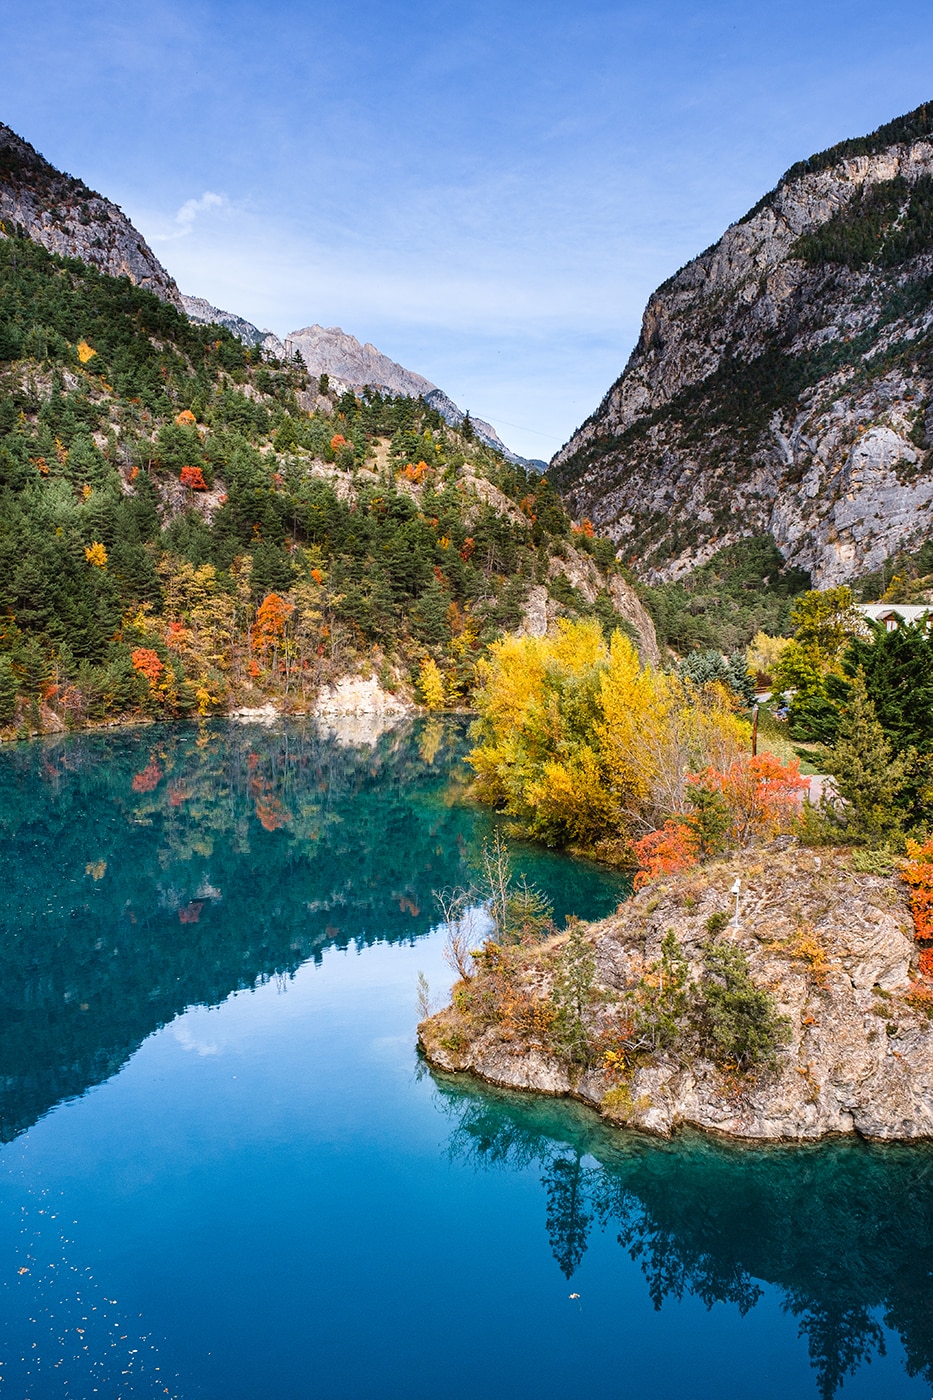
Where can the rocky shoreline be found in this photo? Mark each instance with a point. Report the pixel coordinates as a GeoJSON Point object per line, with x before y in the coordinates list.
{"type": "Point", "coordinates": [835, 947]}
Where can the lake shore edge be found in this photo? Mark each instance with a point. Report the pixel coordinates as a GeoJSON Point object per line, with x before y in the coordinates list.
{"type": "Point", "coordinates": [834, 946]}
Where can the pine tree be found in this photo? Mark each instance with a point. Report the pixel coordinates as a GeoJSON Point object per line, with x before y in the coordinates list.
{"type": "Point", "coordinates": [867, 776]}
{"type": "Point", "coordinates": [898, 668]}
{"type": "Point", "coordinates": [429, 615]}
{"type": "Point", "coordinates": [572, 995]}
{"type": "Point", "coordinates": [9, 687]}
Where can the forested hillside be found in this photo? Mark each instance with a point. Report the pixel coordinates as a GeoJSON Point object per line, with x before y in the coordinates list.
{"type": "Point", "coordinates": [187, 525]}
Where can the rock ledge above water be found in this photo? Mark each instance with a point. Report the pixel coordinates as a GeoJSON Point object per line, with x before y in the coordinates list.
{"type": "Point", "coordinates": [833, 945]}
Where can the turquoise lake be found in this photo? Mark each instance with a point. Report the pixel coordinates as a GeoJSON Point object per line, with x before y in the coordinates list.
{"type": "Point", "coordinates": [226, 1175]}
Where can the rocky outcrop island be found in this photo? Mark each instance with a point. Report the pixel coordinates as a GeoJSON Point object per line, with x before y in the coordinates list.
{"type": "Point", "coordinates": [824, 951]}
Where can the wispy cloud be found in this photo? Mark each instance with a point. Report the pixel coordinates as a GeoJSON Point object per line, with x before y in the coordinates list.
{"type": "Point", "coordinates": [190, 212]}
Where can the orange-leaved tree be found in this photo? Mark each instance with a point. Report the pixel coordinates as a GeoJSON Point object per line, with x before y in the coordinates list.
{"type": "Point", "coordinates": [193, 477]}
{"type": "Point", "coordinates": [917, 870]}
{"type": "Point", "coordinates": [673, 848]}
{"type": "Point", "coordinates": [271, 618]}
{"type": "Point", "coordinates": [762, 794]}
{"type": "Point", "coordinates": [148, 663]}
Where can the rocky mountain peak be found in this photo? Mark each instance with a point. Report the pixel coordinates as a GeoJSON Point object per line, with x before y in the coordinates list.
{"type": "Point", "coordinates": [67, 218]}
{"type": "Point", "coordinates": [333, 352]}
{"type": "Point", "coordinates": [782, 379]}
{"type": "Point", "coordinates": [350, 364]}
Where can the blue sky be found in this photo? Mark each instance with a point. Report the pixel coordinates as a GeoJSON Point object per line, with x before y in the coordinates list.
{"type": "Point", "coordinates": [488, 192]}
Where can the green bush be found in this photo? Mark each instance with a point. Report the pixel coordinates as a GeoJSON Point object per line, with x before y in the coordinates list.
{"type": "Point", "coordinates": [738, 1022]}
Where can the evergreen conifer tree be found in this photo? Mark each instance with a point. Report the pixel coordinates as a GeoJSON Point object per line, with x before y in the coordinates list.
{"type": "Point", "coordinates": [9, 687]}
{"type": "Point", "coordinates": [867, 775]}
{"type": "Point", "coordinates": [572, 995]}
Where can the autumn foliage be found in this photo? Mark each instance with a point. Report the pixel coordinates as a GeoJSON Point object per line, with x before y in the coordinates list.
{"type": "Point", "coordinates": [431, 684]}
{"type": "Point", "coordinates": [917, 871]}
{"type": "Point", "coordinates": [414, 471]}
{"type": "Point", "coordinates": [271, 616]}
{"type": "Point", "coordinates": [762, 794]}
{"type": "Point", "coordinates": [193, 477]}
{"type": "Point", "coordinates": [665, 852]}
{"type": "Point", "coordinates": [759, 797]}
{"type": "Point", "coordinates": [582, 744]}
{"type": "Point", "coordinates": [148, 663]}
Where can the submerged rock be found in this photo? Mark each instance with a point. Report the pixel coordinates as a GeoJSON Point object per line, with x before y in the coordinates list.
{"type": "Point", "coordinates": [834, 946]}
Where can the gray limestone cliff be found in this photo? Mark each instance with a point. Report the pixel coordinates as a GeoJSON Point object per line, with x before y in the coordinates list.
{"type": "Point", "coordinates": [832, 944]}
{"type": "Point", "coordinates": [67, 218]}
{"type": "Point", "coordinates": [782, 380]}
{"type": "Point", "coordinates": [350, 364]}
{"type": "Point", "coordinates": [574, 567]}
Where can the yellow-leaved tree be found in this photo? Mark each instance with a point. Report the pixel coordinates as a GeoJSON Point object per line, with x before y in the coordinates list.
{"type": "Point", "coordinates": [583, 745]}
{"type": "Point", "coordinates": [96, 554]}
{"type": "Point", "coordinates": [431, 684]}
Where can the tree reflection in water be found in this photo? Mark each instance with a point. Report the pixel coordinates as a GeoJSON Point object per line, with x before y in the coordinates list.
{"type": "Point", "coordinates": [144, 872]}
{"type": "Point", "coordinates": [844, 1230]}
{"type": "Point", "coordinates": [151, 870]}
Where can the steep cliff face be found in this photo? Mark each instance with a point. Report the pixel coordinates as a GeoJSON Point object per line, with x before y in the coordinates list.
{"type": "Point", "coordinates": [66, 217]}
{"type": "Point", "coordinates": [782, 380]}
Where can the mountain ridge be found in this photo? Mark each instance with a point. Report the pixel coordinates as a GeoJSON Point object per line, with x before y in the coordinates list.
{"type": "Point", "coordinates": [66, 217]}
{"type": "Point", "coordinates": [782, 379]}
{"type": "Point", "coordinates": [352, 364]}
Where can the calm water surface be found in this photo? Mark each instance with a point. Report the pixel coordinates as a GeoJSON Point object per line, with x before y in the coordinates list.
{"type": "Point", "coordinates": [224, 1173]}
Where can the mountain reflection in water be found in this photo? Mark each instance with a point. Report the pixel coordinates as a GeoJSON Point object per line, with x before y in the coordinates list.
{"type": "Point", "coordinates": [843, 1229]}
{"type": "Point", "coordinates": [150, 870]}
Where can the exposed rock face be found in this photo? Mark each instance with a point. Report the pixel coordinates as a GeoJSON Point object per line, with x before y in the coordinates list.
{"type": "Point", "coordinates": [66, 217]}
{"type": "Point", "coordinates": [201, 311]}
{"type": "Point", "coordinates": [350, 365]}
{"type": "Point", "coordinates": [834, 946]}
{"type": "Point", "coordinates": [580, 571]}
{"type": "Point", "coordinates": [782, 380]}
{"type": "Point", "coordinates": [331, 351]}
{"type": "Point", "coordinates": [354, 695]}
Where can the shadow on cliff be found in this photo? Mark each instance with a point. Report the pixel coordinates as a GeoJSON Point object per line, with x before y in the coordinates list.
{"type": "Point", "coordinates": [844, 1229]}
